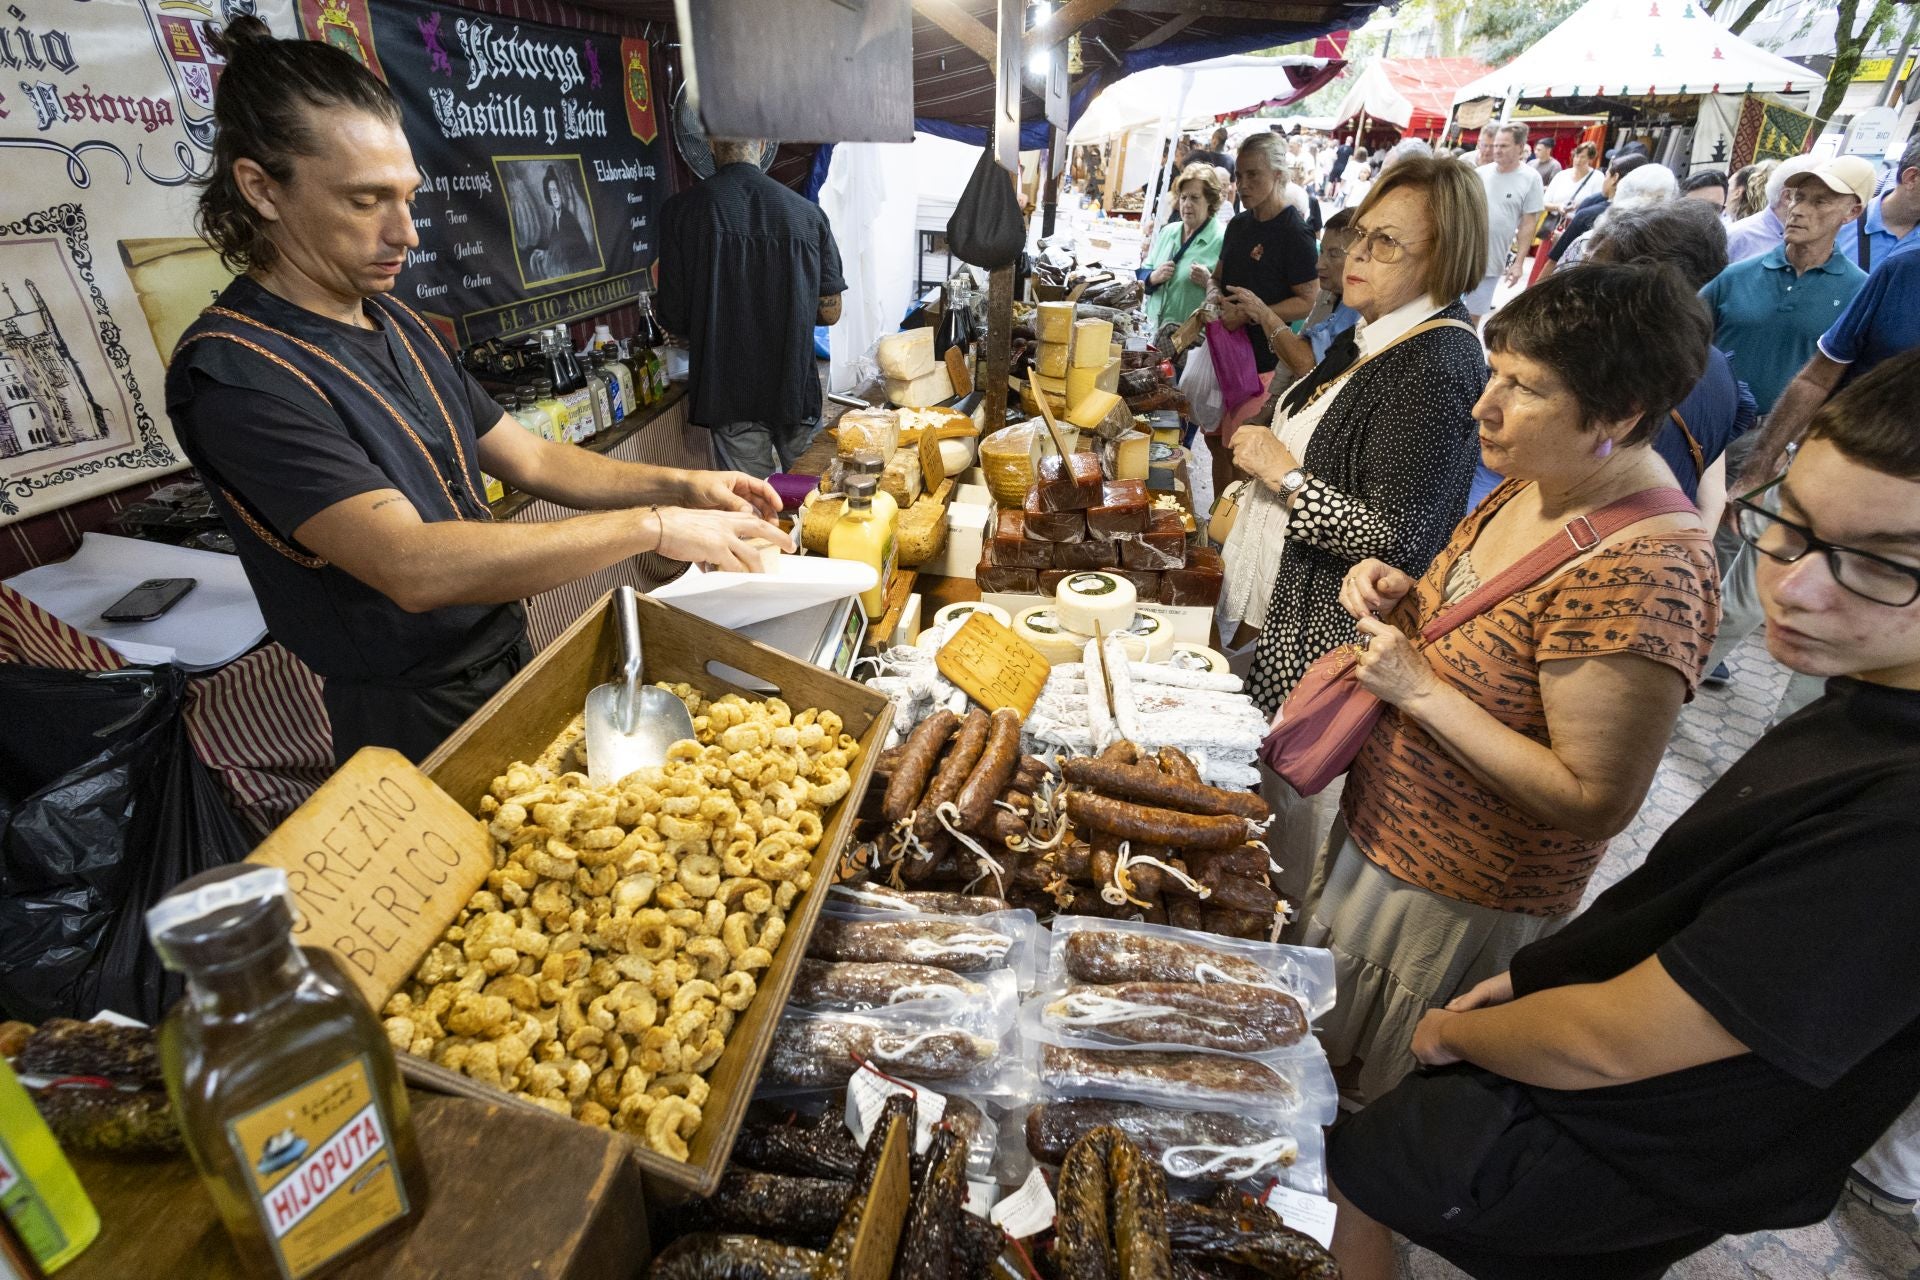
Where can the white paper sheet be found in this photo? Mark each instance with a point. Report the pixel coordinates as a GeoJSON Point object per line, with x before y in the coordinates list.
{"type": "Point", "coordinates": [212, 624]}
{"type": "Point", "coordinates": [793, 583]}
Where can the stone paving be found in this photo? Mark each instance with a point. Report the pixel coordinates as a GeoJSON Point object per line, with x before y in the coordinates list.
{"type": "Point", "coordinates": [1856, 1242]}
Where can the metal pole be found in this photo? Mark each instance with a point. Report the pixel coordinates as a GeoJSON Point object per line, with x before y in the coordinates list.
{"type": "Point", "coordinates": [1006, 145]}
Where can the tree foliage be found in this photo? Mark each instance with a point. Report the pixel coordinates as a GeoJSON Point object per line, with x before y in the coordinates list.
{"type": "Point", "coordinates": [1854, 33]}
{"type": "Point", "coordinates": [1499, 31]}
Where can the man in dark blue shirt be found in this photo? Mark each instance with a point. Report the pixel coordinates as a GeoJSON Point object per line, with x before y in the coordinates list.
{"type": "Point", "coordinates": [747, 269]}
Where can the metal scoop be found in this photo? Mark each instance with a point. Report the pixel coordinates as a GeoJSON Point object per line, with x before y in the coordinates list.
{"type": "Point", "coordinates": [630, 725]}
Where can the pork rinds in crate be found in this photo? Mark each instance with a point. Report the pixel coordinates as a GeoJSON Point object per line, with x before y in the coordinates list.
{"type": "Point", "coordinates": [824, 1052]}
{"type": "Point", "coordinates": [963, 948]}
{"type": "Point", "coordinates": [1228, 1016]}
{"type": "Point", "coordinates": [624, 928]}
{"type": "Point", "coordinates": [1108, 956]}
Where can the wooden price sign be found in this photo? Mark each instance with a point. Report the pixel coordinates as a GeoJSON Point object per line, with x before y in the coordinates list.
{"type": "Point", "coordinates": [380, 861]}
{"type": "Point", "coordinates": [994, 666]}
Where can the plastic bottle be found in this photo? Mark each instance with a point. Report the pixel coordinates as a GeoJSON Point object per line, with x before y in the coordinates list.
{"type": "Point", "coordinates": [611, 392]}
{"type": "Point", "coordinates": [40, 1196]}
{"type": "Point", "coordinates": [601, 397]}
{"type": "Point", "coordinates": [282, 1079]}
{"type": "Point", "coordinates": [557, 410]}
{"type": "Point", "coordinates": [609, 356]}
{"type": "Point", "coordinates": [865, 534]}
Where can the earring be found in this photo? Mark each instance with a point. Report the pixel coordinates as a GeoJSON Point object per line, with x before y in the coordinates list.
{"type": "Point", "coordinates": [1605, 448]}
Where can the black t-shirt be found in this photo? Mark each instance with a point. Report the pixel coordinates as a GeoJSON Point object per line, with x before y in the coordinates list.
{"type": "Point", "coordinates": [1582, 220]}
{"type": "Point", "coordinates": [263, 434]}
{"type": "Point", "coordinates": [1270, 258]}
{"type": "Point", "coordinates": [744, 263]}
{"type": "Point", "coordinates": [1785, 902]}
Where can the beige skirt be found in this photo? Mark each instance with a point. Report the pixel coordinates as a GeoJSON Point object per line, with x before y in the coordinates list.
{"type": "Point", "coordinates": [1398, 951]}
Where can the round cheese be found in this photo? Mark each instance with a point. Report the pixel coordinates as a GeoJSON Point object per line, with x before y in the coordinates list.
{"type": "Point", "coordinates": [959, 612]}
{"type": "Point", "coordinates": [1095, 602]}
{"type": "Point", "coordinates": [1215, 661]}
{"type": "Point", "coordinates": [1040, 627]}
{"type": "Point", "coordinates": [1148, 638]}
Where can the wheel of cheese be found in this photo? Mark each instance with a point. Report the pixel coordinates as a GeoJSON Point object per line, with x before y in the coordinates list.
{"type": "Point", "coordinates": [1095, 602]}
{"type": "Point", "coordinates": [1040, 627]}
{"type": "Point", "coordinates": [958, 612]}
{"type": "Point", "coordinates": [1148, 638]}
{"type": "Point", "coordinates": [1215, 660]}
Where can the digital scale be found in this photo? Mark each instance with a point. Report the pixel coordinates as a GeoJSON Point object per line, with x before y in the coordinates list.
{"type": "Point", "coordinates": [827, 635]}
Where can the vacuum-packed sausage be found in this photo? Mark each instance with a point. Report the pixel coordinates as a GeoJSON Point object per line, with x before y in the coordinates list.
{"type": "Point", "coordinates": [951, 944]}
{"type": "Point", "coordinates": [859, 986]}
{"type": "Point", "coordinates": [818, 1053]}
{"type": "Point", "coordinates": [1110, 955]}
{"type": "Point", "coordinates": [1174, 1074]}
{"type": "Point", "coordinates": [1229, 1016]}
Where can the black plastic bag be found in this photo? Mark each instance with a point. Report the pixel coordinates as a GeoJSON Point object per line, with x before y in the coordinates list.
{"type": "Point", "coordinates": [986, 228]}
{"type": "Point", "coordinates": [103, 809]}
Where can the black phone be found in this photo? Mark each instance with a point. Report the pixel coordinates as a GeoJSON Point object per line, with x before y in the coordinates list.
{"type": "Point", "coordinates": [148, 600]}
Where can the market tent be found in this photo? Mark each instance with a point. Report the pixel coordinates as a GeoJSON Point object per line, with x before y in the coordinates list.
{"type": "Point", "coordinates": [1639, 48]}
{"type": "Point", "coordinates": [1201, 90]}
{"type": "Point", "coordinates": [1414, 95]}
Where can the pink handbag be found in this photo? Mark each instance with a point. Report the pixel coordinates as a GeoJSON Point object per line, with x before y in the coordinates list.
{"type": "Point", "coordinates": [1320, 727]}
{"type": "Point", "coordinates": [1231, 351]}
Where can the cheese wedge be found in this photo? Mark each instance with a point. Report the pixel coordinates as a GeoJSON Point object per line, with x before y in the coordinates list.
{"type": "Point", "coordinates": [1080, 382]}
{"type": "Point", "coordinates": [1091, 338]}
{"type": "Point", "coordinates": [1091, 408]}
{"type": "Point", "coordinates": [1051, 359]}
{"type": "Point", "coordinates": [1108, 378]}
{"type": "Point", "coordinates": [1053, 321]}
{"type": "Point", "coordinates": [931, 387]}
{"type": "Point", "coordinates": [906, 355]}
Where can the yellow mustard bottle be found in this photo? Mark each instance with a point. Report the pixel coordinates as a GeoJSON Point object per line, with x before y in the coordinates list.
{"type": "Point", "coordinates": [282, 1079]}
{"type": "Point", "coordinates": [40, 1196]}
{"type": "Point", "coordinates": [865, 535]}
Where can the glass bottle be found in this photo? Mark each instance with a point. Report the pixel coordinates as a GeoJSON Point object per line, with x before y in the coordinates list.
{"type": "Point", "coordinates": [609, 353]}
{"type": "Point", "coordinates": [865, 535]}
{"type": "Point", "coordinates": [557, 410]}
{"type": "Point", "coordinates": [282, 1079]}
{"type": "Point", "coordinates": [956, 317]}
{"type": "Point", "coordinates": [529, 414]}
{"type": "Point", "coordinates": [867, 463]}
{"type": "Point", "coordinates": [606, 396]}
{"type": "Point", "coordinates": [42, 1204]}
{"type": "Point", "coordinates": [595, 383]}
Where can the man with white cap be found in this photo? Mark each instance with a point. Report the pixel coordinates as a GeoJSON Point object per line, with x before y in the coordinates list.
{"type": "Point", "coordinates": [1769, 310]}
{"type": "Point", "coordinates": [1753, 235]}
{"type": "Point", "coordinates": [1891, 217]}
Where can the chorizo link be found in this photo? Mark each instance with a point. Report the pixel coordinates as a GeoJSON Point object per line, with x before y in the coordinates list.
{"type": "Point", "coordinates": [993, 771]}
{"type": "Point", "coordinates": [1120, 751]}
{"type": "Point", "coordinates": [1110, 955]}
{"type": "Point", "coordinates": [968, 743]}
{"type": "Point", "coordinates": [1241, 893]}
{"type": "Point", "coordinates": [1229, 1016]}
{"type": "Point", "coordinates": [1147, 784]}
{"type": "Point", "coordinates": [1248, 860]}
{"type": "Point", "coordinates": [1148, 825]}
{"type": "Point", "coordinates": [1175, 763]}
{"type": "Point", "coordinates": [915, 764]}
{"type": "Point", "coordinates": [951, 944]}
{"type": "Point", "coordinates": [1205, 1077]}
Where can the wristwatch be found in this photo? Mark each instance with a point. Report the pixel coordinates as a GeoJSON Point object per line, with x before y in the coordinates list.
{"type": "Point", "coordinates": [1292, 483]}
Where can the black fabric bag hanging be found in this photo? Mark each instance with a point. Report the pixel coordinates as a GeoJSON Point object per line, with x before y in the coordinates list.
{"type": "Point", "coordinates": [103, 809]}
{"type": "Point", "coordinates": [986, 228]}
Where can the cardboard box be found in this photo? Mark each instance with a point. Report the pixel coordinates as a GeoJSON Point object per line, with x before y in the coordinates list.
{"type": "Point", "coordinates": [383, 857]}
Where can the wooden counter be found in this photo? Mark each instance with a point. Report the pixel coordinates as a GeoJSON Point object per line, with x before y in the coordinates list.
{"type": "Point", "coordinates": [509, 1194]}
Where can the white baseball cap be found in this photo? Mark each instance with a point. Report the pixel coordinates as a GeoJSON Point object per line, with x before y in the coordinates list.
{"type": "Point", "coordinates": [1849, 175]}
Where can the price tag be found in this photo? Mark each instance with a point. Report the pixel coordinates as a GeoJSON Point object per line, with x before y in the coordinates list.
{"type": "Point", "coordinates": [1026, 1212]}
{"type": "Point", "coordinates": [868, 1091]}
{"type": "Point", "coordinates": [980, 1197]}
{"type": "Point", "coordinates": [1305, 1212]}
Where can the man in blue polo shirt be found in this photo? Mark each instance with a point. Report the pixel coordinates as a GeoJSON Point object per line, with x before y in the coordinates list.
{"type": "Point", "coordinates": [1891, 216]}
{"type": "Point", "coordinates": [1769, 310]}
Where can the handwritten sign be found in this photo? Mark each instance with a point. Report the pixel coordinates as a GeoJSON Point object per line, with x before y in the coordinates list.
{"type": "Point", "coordinates": [994, 666]}
{"type": "Point", "coordinates": [379, 861]}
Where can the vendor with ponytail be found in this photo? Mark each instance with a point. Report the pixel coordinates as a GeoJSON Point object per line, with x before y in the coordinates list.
{"type": "Point", "coordinates": [343, 443]}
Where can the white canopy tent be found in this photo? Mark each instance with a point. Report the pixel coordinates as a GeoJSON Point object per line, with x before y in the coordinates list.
{"type": "Point", "coordinates": [1171, 97]}
{"type": "Point", "coordinates": [1638, 48]}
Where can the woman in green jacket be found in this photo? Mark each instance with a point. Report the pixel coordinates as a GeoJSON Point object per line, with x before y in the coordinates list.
{"type": "Point", "coordinates": [1186, 251]}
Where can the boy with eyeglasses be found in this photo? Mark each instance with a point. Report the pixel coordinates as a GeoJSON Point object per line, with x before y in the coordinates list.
{"type": "Point", "coordinates": [1718, 1038]}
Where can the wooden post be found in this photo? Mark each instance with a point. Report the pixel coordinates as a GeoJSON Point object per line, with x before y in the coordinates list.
{"type": "Point", "coordinates": [998, 357]}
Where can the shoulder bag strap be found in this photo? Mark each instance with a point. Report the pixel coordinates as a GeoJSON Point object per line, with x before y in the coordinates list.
{"type": "Point", "coordinates": [1865, 246]}
{"type": "Point", "coordinates": [1693, 445]}
{"type": "Point", "coordinates": [1174, 261]}
{"type": "Point", "coordinates": [1581, 535]}
{"type": "Point", "coordinates": [1423, 327]}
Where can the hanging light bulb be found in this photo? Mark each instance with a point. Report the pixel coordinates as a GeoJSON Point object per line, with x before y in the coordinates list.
{"type": "Point", "coordinates": [1037, 60]}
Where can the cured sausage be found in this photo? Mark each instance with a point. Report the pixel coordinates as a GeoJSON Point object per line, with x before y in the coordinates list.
{"type": "Point", "coordinates": [1005, 827]}
{"type": "Point", "coordinates": [1082, 1238]}
{"type": "Point", "coordinates": [896, 1111]}
{"type": "Point", "coordinates": [1248, 860]}
{"type": "Point", "coordinates": [1229, 1147]}
{"type": "Point", "coordinates": [1141, 1246]}
{"type": "Point", "coordinates": [858, 986]}
{"type": "Point", "coordinates": [1229, 1016]}
{"type": "Point", "coordinates": [1148, 825]}
{"type": "Point", "coordinates": [823, 1149]}
{"type": "Point", "coordinates": [109, 1121]}
{"type": "Point", "coordinates": [1184, 913]}
{"type": "Point", "coordinates": [1231, 923]}
{"type": "Point", "coordinates": [66, 1047]}
{"type": "Point", "coordinates": [707, 1256]}
{"type": "Point", "coordinates": [1174, 1074]}
{"type": "Point", "coordinates": [1121, 751]}
{"type": "Point", "coordinates": [926, 1243]}
{"type": "Point", "coordinates": [768, 1204]}
{"type": "Point", "coordinates": [954, 771]}
{"type": "Point", "coordinates": [1240, 893]}
{"type": "Point", "coordinates": [915, 764]}
{"type": "Point", "coordinates": [1110, 955]}
{"type": "Point", "coordinates": [1175, 763]}
{"type": "Point", "coordinates": [993, 772]}
{"type": "Point", "coordinates": [950, 944]}
{"type": "Point", "coordinates": [1149, 784]}
{"type": "Point", "coordinates": [817, 1053]}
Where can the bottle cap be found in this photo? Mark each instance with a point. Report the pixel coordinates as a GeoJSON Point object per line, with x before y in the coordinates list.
{"type": "Point", "coordinates": [861, 488]}
{"type": "Point", "coordinates": [868, 463]}
{"type": "Point", "coordinates": [221, 918]}
{"type": "Point", "coordinates": [543, 387]}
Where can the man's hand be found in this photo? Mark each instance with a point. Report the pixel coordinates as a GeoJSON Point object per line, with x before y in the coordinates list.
{"type": "Point", "coordinates": [718, 539]}
{"type": "Point", "coordinates": [1426, 1039]}
{"type": "Point", "coordinates": [1372, 587]}
{"type": "Point", "coordinates": [1495, 990]}
{"type": "Point", "coordinates": [730, 491]}
{"type": "Point", "coordinates": [1512, 274]}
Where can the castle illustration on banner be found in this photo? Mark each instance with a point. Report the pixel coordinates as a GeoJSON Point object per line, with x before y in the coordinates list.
{"type": "Point", "coordinates": [45, 402]}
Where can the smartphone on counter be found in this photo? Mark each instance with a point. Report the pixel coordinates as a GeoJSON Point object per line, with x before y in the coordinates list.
{"type": "Point", "coordinates": [148, 600]}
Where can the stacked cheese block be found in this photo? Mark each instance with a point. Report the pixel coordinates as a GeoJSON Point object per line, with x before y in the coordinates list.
{"type": "Point", "coordinates": [1076, 366]}
{"type": "Point", "coordinates": [914, 378]}
{"type": "Point", "coordinates": [1074, 521]}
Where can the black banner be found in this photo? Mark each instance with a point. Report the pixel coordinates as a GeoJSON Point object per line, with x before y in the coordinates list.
{"type": "Point", "coordinates": [541, 156]}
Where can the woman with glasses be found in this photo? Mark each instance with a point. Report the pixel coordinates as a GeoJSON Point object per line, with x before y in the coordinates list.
{"type": "Point", "coordinates": [1369, 455]}
{"type": "Point", "coordinates": [1715, 1044]}
{"type": "Point", "coordinates": [1517, 743]}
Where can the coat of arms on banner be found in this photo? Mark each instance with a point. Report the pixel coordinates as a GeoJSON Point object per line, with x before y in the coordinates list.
{"type": "Point", "coordinates": [638, 90]}
{"type": "Point", "coordinates": [344, 24]}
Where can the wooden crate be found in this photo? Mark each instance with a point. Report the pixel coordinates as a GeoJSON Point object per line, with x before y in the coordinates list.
{"type": "Point", "coordinates": [524, 717]}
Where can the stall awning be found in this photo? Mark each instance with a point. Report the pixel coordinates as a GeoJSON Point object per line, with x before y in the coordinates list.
{"type": "Point", "coordinates": [1414, 95]}
{"type": "Point", "coordinates": [1200, 92]}
{"type": "Point", "coordinates": [1639, 48]}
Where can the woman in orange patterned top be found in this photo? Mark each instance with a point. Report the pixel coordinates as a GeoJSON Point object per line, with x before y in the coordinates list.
{"type": "Point", "coordinates": [1515, 745]}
